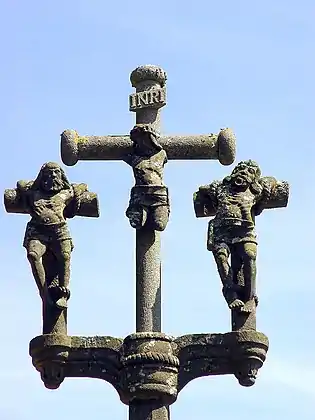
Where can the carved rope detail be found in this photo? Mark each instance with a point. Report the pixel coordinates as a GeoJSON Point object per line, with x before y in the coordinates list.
{"type": "Point", "coordinates": [151, 357]}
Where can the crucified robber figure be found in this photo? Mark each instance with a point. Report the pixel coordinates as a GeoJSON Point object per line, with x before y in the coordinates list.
{"type": "Point", "coordinates": [50, 200]}
{"type": "Point", "coordinates": [234, 203]}
{"type": "Point", "coordinates": [47, 198]}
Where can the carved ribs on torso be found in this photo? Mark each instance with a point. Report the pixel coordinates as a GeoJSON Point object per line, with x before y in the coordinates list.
{"type": "Point", "coordinates": [149, 170]}
{"type": "Point", "coordinates": [235, 208]}
{"type": "Point", "coordinates": [49, 210]}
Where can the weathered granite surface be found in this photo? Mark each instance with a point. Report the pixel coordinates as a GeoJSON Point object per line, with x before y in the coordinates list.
{"type": "Point", "coordinates": [148, 368]}
{"type": "Point", "coordinates": [149, 365]}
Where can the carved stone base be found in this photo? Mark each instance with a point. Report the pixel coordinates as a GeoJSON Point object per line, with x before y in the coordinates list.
{"type": "Point", "coordinates": [149, 366]}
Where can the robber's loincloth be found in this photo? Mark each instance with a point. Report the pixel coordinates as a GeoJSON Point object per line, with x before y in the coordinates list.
{"type": "Point", "coordinates": [46, 234]}
{"type": "Point", "coordinates": [149, 196]}
{"type": "Point", "coordinates": [226, 234]}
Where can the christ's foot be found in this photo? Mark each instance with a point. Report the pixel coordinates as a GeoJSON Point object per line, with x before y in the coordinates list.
{"type": "Point", "coordinates": [236, 304]}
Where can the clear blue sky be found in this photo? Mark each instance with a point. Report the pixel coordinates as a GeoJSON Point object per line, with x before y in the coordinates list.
{"type": "Point", "coordinates": [244, 64]}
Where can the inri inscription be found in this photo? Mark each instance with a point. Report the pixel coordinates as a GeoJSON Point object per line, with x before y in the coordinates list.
{"type": "Point", "coordinates": [154, 98]}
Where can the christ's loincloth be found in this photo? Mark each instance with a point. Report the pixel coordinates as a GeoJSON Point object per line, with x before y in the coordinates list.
{"type": "Point", "coordinates": [148, 196]}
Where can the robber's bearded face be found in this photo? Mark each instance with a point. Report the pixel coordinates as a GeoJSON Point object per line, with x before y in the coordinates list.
{"type": "Point", "coordinates": [243, 176]}
{"type": "Point", "coordinates": [52, 179]}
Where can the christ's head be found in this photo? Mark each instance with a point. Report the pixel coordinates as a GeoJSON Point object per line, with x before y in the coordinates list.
{"type": "Point", "coordinates": [145, 139]}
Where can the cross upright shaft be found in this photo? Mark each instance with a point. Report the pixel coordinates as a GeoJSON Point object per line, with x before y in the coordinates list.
{"type": "Point", "coordinates": [148, 81]}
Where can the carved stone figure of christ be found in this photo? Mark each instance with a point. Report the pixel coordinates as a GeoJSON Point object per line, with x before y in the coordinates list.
{"type": "Point", "coordinates": [234, 203]}
{"type": "Point", "coordinates": [50, 200]}
{"type": "Point", "coordinates": [149, 203]}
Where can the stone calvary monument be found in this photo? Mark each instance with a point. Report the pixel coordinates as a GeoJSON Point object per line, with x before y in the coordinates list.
{"type": "Point", "coordinates": [148, 368]}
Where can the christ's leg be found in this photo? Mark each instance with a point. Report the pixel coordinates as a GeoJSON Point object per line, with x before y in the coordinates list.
{"type": "Point", "coordinates": [159, 217]}
{"type": "Point", "coordinates": [137, 216]}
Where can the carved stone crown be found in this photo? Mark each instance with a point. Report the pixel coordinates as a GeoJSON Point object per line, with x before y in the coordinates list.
{"type": "Point", "coordinates": [148, 72]}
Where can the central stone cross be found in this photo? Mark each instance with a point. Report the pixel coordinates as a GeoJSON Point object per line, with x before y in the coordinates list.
{"type": "Point", "coordinates": [149, 197]}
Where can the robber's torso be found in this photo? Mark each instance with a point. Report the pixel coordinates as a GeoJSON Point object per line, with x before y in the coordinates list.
{"type": "Point", "coordinates": [48, 209]}
{"type": "Point", "coordinates": [235, 207]}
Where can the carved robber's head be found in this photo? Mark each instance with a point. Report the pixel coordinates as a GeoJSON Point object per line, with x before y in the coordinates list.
{"type": "Point", "coordinates": [245, 173]}
{"type": "Point", "coordinates": [51, 178]}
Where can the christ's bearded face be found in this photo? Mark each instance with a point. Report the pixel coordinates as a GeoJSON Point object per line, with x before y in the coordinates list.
{"type": "Point", "coordinates": [52, 179]}
{"type": "Point", "coordinates": [145, 140]}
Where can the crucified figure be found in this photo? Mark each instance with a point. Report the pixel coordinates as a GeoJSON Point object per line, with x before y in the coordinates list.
{"type": "Point", "coordinates": [50, 200]}
{"type": "Point", "coordinates": [149, 202]}
{"type": "Point", "coordinates": [47, 232]}
{"type": "Point", "coordinates": [234, 203]}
